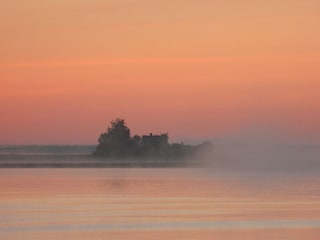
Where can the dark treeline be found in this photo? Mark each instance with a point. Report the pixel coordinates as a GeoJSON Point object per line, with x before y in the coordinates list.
{"type": "Point", "coordinates": [117, 142]}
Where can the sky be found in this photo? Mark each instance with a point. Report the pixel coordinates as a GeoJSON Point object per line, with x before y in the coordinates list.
{"type": "Point", "coordinates": [194, 69]}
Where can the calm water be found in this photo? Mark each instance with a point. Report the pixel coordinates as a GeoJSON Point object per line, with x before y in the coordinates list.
{"type": "Point", "coordinates": [157, 204]}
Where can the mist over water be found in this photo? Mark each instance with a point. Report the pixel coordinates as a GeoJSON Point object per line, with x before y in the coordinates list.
{"type": "Point", "coordinates": [264, 150]}
{"type": "Point", "coordinates": [249, 151]}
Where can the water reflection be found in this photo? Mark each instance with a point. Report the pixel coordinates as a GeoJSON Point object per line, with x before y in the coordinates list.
{"type": "Point", "coordinates": [156, 204]}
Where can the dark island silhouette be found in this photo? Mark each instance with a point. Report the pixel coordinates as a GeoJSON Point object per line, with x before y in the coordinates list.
{"type": "Point", "coordinates": [117, 143]}
{"type": "Point", "coordinates": [116, 149]}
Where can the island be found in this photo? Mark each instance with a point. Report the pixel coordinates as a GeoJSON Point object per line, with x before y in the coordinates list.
{"type": "Point", "coordinates": [116, 148]}
{"type": "Point", "coordinates": [117, 143]}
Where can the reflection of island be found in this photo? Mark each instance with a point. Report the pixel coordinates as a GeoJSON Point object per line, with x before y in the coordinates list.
{"type": "Point", "coordinates": [117, 142]}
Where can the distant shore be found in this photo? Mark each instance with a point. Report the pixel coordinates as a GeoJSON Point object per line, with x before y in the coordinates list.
{"type": "Point", "coordinates": [84, 161]}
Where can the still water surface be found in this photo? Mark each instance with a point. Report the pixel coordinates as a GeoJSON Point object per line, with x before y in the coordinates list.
{"type": "Point", "coordinates": [157, 204]}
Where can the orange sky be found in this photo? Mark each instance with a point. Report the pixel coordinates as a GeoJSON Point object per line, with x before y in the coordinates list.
{"type": "Point", "coordinates": [196, 69]}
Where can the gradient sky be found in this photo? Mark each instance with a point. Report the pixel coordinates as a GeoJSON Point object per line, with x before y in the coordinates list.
{"type": "Point", "coordinates": [196, 69]}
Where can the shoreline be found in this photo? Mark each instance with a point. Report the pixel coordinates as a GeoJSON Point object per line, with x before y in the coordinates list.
{"type": "Point", "coordinates": [86, 161]}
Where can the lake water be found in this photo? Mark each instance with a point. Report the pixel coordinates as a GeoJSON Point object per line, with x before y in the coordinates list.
{"type": "Point", "coordinates": [157, 204]}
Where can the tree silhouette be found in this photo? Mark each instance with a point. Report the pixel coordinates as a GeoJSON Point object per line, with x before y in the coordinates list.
{"type": "Point", "coordinates": [115, 141]}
